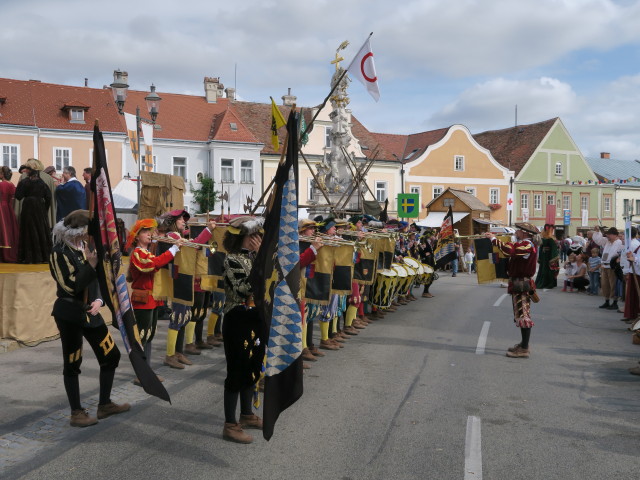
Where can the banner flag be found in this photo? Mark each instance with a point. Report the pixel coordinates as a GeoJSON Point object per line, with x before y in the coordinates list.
{"type": "Point", "coordinates": [147, 135]}
{"type": "Point", "coordinates": [277, 121]}
{"type": "Point", "coordinates": [111, 275]}
{"type": "Point", "coordinates": [408, 205]}
{"type": "Point", "coordinates": [363, 68]}
{"type": "Point", "coordinates": [445, 250]}
{"type": "Point", "coordinates": [275, 279]}
{"type": "Point", "coordinates": [132, 133]}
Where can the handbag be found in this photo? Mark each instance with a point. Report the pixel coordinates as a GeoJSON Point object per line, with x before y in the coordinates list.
{"type": "Point", "coordinates": [139, 296]}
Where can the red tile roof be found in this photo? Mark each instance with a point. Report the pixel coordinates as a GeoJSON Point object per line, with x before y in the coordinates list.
{"type": "Point", "coordinates": [33, 103]}
{"type": "Point", "coordinates": [228, 127]}
{"type": "Point", "coordinates": [257, 118]}
{"type": "Point", "coordinates": [513, 147]}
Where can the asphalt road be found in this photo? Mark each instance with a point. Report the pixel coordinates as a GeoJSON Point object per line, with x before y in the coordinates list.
{"type": "Point", "coordinates": [426, 393]}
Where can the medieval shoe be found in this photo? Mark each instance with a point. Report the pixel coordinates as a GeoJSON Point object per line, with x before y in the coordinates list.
{"type": "Point", "coordinates": [315, 351]}
{"type": "Point", "coordinates": [203, 346]}
{"type": "Point", "coordinates": [234, 433]}
{"type": "Point", "coordinates": [250, 421]}
{"type": "Point", "coordinates": [81, 418]}
{"type": "Point", "coordinates": [308, 356]}
{"type": "Point", "coordinates": [213, 341]}
{"type": "Point", "coordinates": [328, 345]}
{"type": "Point", "coordinates": [634, 370]}
{"type": "Point", "coordinates": [172, 361]}
{"type": "Point", "coordinates": [519, 353]}
{"type": "Point", "coordinates": [514, 348]}
{"type": "Point", "coordinates": [191, 349]}
{"type": "Point", "coordinates": [182, 359]}
{"type": "Point", "coordinates": [111, 408]}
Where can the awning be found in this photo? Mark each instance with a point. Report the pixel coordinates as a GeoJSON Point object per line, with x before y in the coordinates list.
{"type": "Point", "coordinates": [487, 222]}
{"type": "Point", "coordinates": [434, 219]}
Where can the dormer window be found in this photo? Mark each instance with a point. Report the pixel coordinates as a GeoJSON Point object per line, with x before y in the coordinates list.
{"type": "Point", "coordinates": [77, 115]}
{"type": "Point", "coordinates": [75, 110]}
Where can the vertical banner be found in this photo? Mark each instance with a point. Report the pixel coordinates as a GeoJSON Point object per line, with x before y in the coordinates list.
{"type": "Point", "coordinates": [111, 276]}
{"type": "Point", "coordinates": [627, 235]}
{"type": "Point", "coordinates": [509, 201]}
{"type": "Point", "coordinates": [585, 218]}
{"type": "Point", "coordinates": [525, 214]}
{"type": "Point", "coordinates": [567, 216]}
{"type": "Point", "coordinates": [132, 133]}
{"type": "Point", "coordinates": [147, 135]}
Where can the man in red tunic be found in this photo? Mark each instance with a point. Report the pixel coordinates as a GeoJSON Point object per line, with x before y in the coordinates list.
{"type": "Point", "coordinates": [522, 256]}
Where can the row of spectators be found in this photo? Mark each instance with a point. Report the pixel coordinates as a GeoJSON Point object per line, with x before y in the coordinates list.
{"type": "Point", "coordinates": [29, 210]}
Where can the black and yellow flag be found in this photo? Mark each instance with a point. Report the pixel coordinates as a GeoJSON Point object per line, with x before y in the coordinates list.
{"type": "Point", "coordinates": [277, 121]}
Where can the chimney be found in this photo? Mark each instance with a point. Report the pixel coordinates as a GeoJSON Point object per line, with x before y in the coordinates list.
{"type": "Point", "coordinates": [212, 89]}
{"type": "Point", "coordinates": [86, 82]}
{"type": "Point", "coordinates": [231, 93]}
{"type": "Point", "coordinates": [605, 155]}
{"type": "Point", "coordinates": [289, 99]}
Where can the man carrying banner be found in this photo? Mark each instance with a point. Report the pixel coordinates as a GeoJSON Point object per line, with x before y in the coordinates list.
{"type": "Point", "coordinates": [76, 313]}
{"type": "Point", "coordinates": [522, 266]}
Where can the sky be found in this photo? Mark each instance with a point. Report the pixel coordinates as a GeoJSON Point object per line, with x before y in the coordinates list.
{"type": "Point", "coordinates": [439, 62]}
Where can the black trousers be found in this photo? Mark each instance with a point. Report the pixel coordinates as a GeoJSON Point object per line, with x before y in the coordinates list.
{"type": "Point", "coordinates": [105, 350]}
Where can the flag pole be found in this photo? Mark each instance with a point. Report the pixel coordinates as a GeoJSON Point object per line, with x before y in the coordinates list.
{"type": "Point", "coordinates": [273, 180]}
{"type": "Point", "coordinates": [326, 99]}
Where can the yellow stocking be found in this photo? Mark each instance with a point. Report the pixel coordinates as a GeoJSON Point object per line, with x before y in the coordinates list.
{"type": "Point", "coordinates": [324, 330]}
{"type": "Point", "coordinates": [172, 338]}
{"type": "Point", "coordinates": [351, 314]}
{"type": "Point", "coordinates": [334, 324]}
{"type": "Point", "coordinates": [189, 332]}
{"type": "Point", "coordinates": [304, 335]}
{"type": "Point", "coordinates": [211, 326]}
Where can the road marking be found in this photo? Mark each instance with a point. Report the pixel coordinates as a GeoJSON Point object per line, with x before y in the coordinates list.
{"type": "Point", "coordinates": [499, 301]}
{"type": "Point", "coordinates": [473, 450]}
{"type": "Point", "coordinates": [482, 340]}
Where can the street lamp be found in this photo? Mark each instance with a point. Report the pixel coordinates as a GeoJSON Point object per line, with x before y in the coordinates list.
{"type": "Point", "coordinates": [120, 88]}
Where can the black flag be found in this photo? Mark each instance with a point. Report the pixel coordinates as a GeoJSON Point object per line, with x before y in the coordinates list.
{"type": "Point", "coordinates": [275, 280]}
{"type": "Point", "coordinates": [111, 276]}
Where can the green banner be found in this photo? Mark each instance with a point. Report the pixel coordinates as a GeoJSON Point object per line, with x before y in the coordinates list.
{"type": "Point", "coordinates": [408, 205]}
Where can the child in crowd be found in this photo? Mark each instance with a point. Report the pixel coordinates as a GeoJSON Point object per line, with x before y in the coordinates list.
{"type": "Point", "coordinates": [595, 262]}
{"type": "Point", "coordinates": [468, 260]}
{"type": "Point", "coordinates": [569, 271]}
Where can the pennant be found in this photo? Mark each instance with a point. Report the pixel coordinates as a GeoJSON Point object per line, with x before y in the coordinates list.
{"type": "Point", "coordinates": [110, 272]}
{"type": "Point", "coordinates": [363, 68]}
{"type": "Point", "coordinates": [275, 279]}
{"type": "Point", "coordinates": [304, 135]}
{"type": "Point", "coordinates": [445, 250]}
{"type": "Point", "coordinates": [132, 133]}
{"type": "Point", "coordinates": [277, 121]}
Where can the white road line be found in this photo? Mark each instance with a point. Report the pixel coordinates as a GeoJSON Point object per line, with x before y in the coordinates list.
{"type": "Point", "coordinates": [499, 301]}
{"type": "Point", "coordinates": [473, 450]}
{"type": "Point", "coordinates": [482, 340]}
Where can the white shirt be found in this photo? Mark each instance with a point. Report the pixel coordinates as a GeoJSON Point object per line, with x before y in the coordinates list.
{"type": "Point", "coordinates": [609, 249]}
{"type": "Point", "coordinates": [625, 264]}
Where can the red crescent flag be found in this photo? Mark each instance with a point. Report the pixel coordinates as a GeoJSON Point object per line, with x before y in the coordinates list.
{"type": "Point", "coordinates": [363, 68]}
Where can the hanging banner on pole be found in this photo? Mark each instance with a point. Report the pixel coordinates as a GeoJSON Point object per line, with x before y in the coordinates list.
{"type": "Point", "coordinates": [509, 202]}
{"type": "Point", "coordinates": [408, 205]}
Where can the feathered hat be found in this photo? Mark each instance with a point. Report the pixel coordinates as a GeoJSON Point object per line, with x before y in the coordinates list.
{"type": "Point", "coordinates": [144, 224]}
{"type": "Point", "coordinates": [72, 226]}
{"type": "Point", "coordinates": [245, 225]}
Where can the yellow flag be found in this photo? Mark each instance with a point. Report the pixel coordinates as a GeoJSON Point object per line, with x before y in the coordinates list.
{"type": "Point", "coordinates": [277, 121]}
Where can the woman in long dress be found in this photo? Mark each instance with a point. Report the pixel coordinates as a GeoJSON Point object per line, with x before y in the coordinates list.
{"type": "Point", "coordinates": [548, 260]}
{"type": "Point", "coordinates": [8, 222]}
{"type": "Point", "coordinates": [35, 232]}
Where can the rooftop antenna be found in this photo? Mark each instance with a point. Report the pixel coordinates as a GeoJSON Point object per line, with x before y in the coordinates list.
{"type": "Point", "coordinates": [235, 77]}
{"type": "Point", "coordinates": [516, 115]}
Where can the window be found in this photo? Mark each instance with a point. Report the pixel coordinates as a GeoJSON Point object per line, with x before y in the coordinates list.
{"type": "Point", "coordinates": [637, 207]}
{"type": "Point", "coordinates": [494, 196]}
{"type": "Point", "coordinates": [558, 168]}
{"type": "Point", "coordinates": [62, 158]}
{"type": "Point", "coordinates": [76, 115]}
{"type": "Point", "coordinates": [180, 167]}
{"type": "Point", "coordinates": [381, 191]}
{"type": "Point", "coordinates": [607, 203]}
{"type": "Point", "coordinates": [437, 190]}
{"type": "Point", "coordinates": [246, 171]}
{"type": "Point", "coordinates": [327, 137]}
{"type": "Point", "coordinates": [584, 202]}
{"type": "Point", "coordinates": [226, 170]}
{"type": "Point", "coordinates": [448, 202]}
{"type": "Point", "coordinates": [566, 202]}
{"type": "Point", "coordinates": [149, 167]}
{"type": "Point", "coordinates": [10, 156]}
{"type": "Point", "coordinates": [551, 199]}
{"type": "Point", "coordinates": [415, 189]}
{"type": "Point", "coordinates": [458, 163]}
{"type": "Point", "coordinates": [537, 201]}
{"type": "Point", "coordinates": [471, 190]}
{"type": "Point", "coordinates": [625, 207]}
{"type": "Point", "coordinates": [524, 200]}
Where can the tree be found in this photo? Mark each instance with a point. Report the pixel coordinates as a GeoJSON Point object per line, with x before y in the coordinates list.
{"type": "Point", "coordinates": [206, 195]}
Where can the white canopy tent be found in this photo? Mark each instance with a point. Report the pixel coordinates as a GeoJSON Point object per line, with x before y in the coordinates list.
{"type": "Point", "coordinates": [434, 219]}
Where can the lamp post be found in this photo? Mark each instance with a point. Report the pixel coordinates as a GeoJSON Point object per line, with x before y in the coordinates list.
{"type": "Point", "coordinates": [120, 88]}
